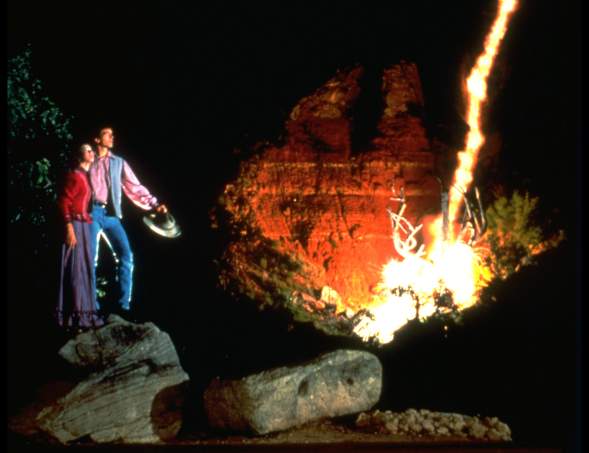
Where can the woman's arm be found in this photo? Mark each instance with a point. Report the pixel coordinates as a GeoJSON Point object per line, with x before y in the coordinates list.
{"type": "Point", "coordinates": [65, 203]}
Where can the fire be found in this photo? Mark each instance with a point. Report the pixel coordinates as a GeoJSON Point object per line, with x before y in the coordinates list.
{"type": "Point", "coordinates": [449, 276]}
{"type": "Point", "coordinates": [476, 85]}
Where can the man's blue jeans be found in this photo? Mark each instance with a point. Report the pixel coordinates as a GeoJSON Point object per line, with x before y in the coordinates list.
{"type": "Point", "coordinates": [117, 237]}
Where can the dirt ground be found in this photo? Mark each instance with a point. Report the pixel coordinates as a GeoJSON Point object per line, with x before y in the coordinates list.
{"type": "Point", "coordinates": [333, 431]}
{"type": "Point", "coordinates": [334, 435]}
{"type": "Point", "coordinates": [327, 435]}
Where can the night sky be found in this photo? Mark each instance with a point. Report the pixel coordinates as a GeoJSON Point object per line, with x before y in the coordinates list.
{"type": "Point", "coordinates": [186, 85]}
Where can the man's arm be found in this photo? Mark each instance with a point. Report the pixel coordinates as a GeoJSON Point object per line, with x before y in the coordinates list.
{"type": "Point", "coordinates": [137, 192]}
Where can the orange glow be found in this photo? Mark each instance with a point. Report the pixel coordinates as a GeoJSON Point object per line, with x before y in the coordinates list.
{"type": "Point", "coordinates": [476, 85]}
{"type": "Point", "coordinates": [411, 288]}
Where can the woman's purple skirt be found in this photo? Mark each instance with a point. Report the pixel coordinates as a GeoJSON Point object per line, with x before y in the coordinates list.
{"type": "Point", "coordinates": [76, 306]}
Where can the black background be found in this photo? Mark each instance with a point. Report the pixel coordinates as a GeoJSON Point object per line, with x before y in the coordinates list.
{"type": "Point", "coordinates": [187, 85]}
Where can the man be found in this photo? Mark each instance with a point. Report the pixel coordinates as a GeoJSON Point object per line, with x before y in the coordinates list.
{"type": "Point", "coordinates": [110, 176]}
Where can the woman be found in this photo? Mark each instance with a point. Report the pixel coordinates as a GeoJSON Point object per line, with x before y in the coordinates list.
{"type": "Point", "coordinates": [76, 307]}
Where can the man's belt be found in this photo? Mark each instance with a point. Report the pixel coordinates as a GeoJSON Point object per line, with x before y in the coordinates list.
{"type": "Point", "coordinates": [102, 205]}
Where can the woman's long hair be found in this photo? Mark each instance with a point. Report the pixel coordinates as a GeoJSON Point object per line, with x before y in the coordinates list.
{"type": "Point", "coordinates": [77, 154]}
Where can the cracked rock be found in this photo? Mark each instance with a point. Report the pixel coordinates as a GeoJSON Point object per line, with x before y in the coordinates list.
{"type": "Point", "coordinates": [337, 383]}
{"type": "Point", "coordinates": [130, 390]}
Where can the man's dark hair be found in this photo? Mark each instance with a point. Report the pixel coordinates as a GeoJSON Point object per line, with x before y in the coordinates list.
{"type": "Point", "coordinates": [103, 127]}
{"type": "Point", "coordinates": [86, 130]}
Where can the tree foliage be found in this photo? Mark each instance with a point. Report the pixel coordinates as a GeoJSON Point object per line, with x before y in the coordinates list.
{"type": "Point", "coordinates": [514, 234]}
{"type": "Point", "coordinates": [38, 137]}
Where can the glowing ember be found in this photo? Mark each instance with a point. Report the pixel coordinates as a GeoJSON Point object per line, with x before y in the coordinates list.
{"type": "Point", "coordinates": [450, 276]}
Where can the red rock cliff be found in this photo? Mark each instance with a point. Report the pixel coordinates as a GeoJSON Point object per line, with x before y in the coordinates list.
{"type": "Point", "coordinates": [327, 206]}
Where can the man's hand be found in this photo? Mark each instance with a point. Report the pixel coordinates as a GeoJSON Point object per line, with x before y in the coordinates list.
{"type": "Point", "coordinates": [161, 209]}
{"type": "Point", "coordinates": [70, 236]}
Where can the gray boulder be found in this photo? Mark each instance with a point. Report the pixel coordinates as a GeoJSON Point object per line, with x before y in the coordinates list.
{"type": "Point", "coordinates": [337, 383]}
{"type": "Point", "coordinates": [133, 391]}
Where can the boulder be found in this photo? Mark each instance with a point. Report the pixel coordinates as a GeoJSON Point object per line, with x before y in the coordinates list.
{"type": "Point", "coordinates": [131, 391]}
{"type": "Point", "coordinates": [337, 383]}
{"type": "Point", "coordinates": [315, 209]}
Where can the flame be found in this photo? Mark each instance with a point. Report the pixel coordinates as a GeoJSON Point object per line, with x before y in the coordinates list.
{"type": "Point", "coordinates": [450, 275]}
{"type": "Point", "coordinates": [476, 85]}
{"type": "Point", "coordinates": [413, 288]}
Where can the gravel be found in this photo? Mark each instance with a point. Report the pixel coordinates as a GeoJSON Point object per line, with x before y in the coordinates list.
{"type": "Point", "coordinates": [423, 422]}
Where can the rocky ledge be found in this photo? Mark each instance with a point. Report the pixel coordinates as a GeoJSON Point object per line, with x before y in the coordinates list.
{"type": "Point", "coordinates": [129, 388]}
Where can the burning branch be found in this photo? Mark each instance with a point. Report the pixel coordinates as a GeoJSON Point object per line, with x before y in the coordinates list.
{"type": "Point", "coordinates": [405, 247]}
{"type": "Point", "coordinates": [474, 222]}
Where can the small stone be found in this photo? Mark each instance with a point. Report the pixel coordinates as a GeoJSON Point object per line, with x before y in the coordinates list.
{"type": "Point", "coordinates": [491, 421]}
{"type": "Point", "coordinates": [379, 417]}
{"type": "Point", "coordinates": [428, 426]}
{"type": "Point", "coordinates": [392, 427]}
{"type": "Point", "coordinates": [442, 430]}
{"type": "Point", "coordinates": [503, 429]}
{"type": "Point", "coordinates": [477, 430]}
{"type": "Point", "coordinates": [457, 425]}
{"type": "Point", "coordinates": [363, 420]}
{"type": "Point", "coordinates": [416, 427]}
{"type": "Point", "coordinates": [494, 435]}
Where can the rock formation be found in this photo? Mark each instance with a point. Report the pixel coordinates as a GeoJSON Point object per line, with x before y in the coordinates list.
{"type": "Point", "coordinates": [338, 383]}
{"type": "Point", "coordinates": [314, 212]}
{"type": "Point", "coordinates": [320, 122]}
{"type": "Point", "coordinates": [132, 389]}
